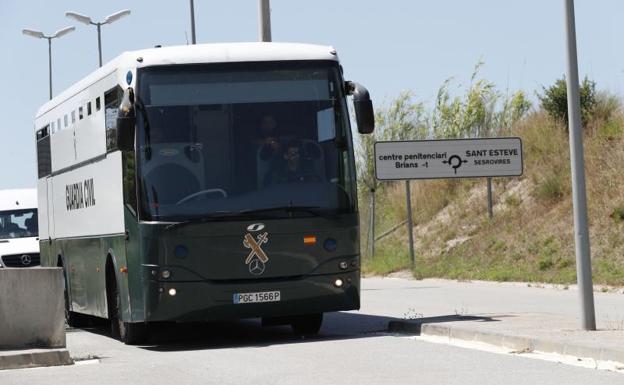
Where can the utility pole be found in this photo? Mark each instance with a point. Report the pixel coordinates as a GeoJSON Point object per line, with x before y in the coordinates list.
{"type": "Point", "coordinates": [264, 21]}
{"type": "Point", "coordinates": [193, 39]}
{"type": "Point", "coordinates": [579, 198]}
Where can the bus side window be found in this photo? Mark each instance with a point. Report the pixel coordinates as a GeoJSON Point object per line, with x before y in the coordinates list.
{"type": "Point", "coordinates": [112, 98]}
{"type": "Point", "coordinates": [44, 161]}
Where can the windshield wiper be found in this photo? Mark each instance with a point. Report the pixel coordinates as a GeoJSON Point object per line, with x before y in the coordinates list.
{"type": "Point", "coordinates": [247, 212]}
{"type": "Point", "coordinates": [290, 209]}
{"type": "Point", "coordinates": [205, 218]}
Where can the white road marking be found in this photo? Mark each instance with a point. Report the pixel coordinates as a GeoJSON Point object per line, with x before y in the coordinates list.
{"type": "Point", "coordinates": [588, 363]}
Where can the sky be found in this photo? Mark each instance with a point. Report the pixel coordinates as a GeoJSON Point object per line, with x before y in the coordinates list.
{"type": "Point", "coordinates": [389, 46]}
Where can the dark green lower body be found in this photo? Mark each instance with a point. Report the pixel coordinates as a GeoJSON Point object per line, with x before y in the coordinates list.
{"type": "Point", "coordinates": [214, 270]}
{"type": "Point", "coordinates": [210, 301]}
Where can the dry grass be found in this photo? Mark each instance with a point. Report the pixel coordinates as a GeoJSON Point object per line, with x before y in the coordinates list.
{"type": "Point", "coordinates": [531, 236]}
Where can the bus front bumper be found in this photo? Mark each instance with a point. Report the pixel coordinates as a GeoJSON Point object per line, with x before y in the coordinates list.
{"type": "Point", "coordinates": [211, 301]}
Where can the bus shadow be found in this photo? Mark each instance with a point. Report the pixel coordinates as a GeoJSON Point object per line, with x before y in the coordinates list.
{"type": "Point", "coordinates": [169, 337]}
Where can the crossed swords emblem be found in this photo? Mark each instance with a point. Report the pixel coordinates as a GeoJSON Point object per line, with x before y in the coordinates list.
{"type": "Point", "coordinates": [255, 245]}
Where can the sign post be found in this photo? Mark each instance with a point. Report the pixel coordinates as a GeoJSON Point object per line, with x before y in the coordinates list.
{"type": "Point", "coordinates": [410, 224]}
{"type": "Point", "coordinates": [489, 198]}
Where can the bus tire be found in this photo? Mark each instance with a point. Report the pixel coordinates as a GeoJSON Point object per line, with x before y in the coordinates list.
{"type": "Point", "coordinates": [129, 333]}
{"type": "Point", "coordinates": [307, 324]}
{"type": "Point", "coordinates": [72, 319]}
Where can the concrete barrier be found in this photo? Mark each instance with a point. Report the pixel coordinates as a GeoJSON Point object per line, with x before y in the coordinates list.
{"type": "Point", "coordinates": [32, 308]}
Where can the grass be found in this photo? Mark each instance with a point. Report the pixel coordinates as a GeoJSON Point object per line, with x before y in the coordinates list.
{"type": "Point", "coordinates": [390, 257]}
{"type": "Point", "coordinates": [531, 236]}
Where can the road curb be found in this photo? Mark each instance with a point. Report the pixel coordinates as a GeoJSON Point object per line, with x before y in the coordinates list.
{"type": "Point", "coordinates": [32, 358]}
{"type": "Point", "coordinates": [513, 342]}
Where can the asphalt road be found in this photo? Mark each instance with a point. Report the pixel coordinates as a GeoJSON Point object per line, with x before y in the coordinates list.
{"type": "Point", "coordinates": [351, 349]}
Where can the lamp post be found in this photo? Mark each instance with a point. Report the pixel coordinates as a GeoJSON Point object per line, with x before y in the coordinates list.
{"type": "Point", "coordinates": [41, 35]}
{"type": "Point", "coordinates": [264, 20]}
{"type": "Point", "coordinates": [193, 39]}
{"type": "Point", "coordinates": [107, 20]}
{"type": "Point", "coordinates": [577, 164]}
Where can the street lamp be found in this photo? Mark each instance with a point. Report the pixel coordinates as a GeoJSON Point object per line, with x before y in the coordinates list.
{"type": "Point", "coordinates": [40, 35]}
{"type": "Point", "coordinates": [108, 20]}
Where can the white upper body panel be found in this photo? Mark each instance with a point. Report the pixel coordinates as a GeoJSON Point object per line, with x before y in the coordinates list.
{"type": "Point", "coordinates": [193, 54]}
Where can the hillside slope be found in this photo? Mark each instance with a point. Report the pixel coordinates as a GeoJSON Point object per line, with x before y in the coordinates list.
{"type": "Point", "coordinates": [530, 237]}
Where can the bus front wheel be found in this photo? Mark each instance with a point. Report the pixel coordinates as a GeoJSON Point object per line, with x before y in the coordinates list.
{"type": "Point", "coordinates": [126, 332]}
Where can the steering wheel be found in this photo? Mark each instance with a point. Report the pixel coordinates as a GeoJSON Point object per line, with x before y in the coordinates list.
{"type": "Point", "coordinates": [202, 192]}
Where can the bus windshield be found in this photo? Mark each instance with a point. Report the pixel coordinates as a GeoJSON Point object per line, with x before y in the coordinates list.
{"type": "Point", "coordinates": [18, 224]}
{"type": "Point", "coordinates": [242, 137]}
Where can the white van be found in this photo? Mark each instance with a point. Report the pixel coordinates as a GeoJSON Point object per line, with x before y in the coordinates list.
{"type": "Point", "coordinates": [19, 230]}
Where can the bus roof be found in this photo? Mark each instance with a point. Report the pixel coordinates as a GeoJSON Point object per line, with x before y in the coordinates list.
{"type": "Point", "coordinates": [200, 53]}
{"type": "Point", "coordinates": [18, 199]}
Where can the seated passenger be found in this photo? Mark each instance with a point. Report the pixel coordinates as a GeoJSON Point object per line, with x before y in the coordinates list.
{"type": "Point", "coordinates": [291, 168]}
{"type": "Point", "coordinates": [268, 143]}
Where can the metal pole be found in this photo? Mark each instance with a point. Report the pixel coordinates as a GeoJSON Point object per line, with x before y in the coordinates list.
{"type": "Point", "coordinates": [372, 224]}
{"type": "Point", "coordinates": [264, 22]}
{"type": "Point", "coordinates": [410, 225]}
{"type": "Point", "coordinates": [193, 39]}
{"type": "Point", "coordinates": [50, 64]}
{"type": "Point", "coordinates": [99, 28]}
{"type": "Point", "coordinates": [581, 233]}
{"type": "Point", "coordinates": [489, 197]}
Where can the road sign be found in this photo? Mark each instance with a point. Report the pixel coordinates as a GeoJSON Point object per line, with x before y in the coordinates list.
{"type": "Point", "coordinates": [454, 158]}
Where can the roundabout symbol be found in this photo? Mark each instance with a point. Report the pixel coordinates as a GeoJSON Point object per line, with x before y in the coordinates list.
{"type": "Point", "coordinates": [455, 161]}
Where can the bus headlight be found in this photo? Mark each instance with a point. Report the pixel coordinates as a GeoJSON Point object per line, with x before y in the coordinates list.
{"type": "Point", "coordinates": [166, 274]}
{"type": "Point", "coordinates": [338, 282]}
{"type": "Point", "coordinates": [173, 292]}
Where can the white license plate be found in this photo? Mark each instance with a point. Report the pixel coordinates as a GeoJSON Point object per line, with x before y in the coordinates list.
{"type": "Point", "coordinates": [262, 296]}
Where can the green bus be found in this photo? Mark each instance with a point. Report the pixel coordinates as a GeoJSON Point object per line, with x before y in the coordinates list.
{"type": "Point", "coordinates": [204, 182]}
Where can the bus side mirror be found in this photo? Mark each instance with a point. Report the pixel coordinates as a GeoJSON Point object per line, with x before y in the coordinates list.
{"type": "Point", "coordinates": [364, 115]}
{"type": "Point", "coordinates": [126, 121]}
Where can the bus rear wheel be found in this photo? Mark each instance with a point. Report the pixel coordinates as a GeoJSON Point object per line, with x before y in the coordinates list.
{"type": "Point", "coordinates": [307, 324]}
{"type": "Point", "coordinates": [127, 332]}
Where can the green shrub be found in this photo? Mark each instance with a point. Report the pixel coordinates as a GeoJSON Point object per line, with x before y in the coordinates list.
{"type": "Point", "coordinates": [610, 130]}
{"type": "Point", "coordinates": [513, 200]}
{"type": "Point", "coordinates": [553, 188]}
{"type": "Point", "coordinates": [618, 214]}
{"type": "Point", "coordinates": [554, 100]}
{"type": "Point", "coordinates": [545, 263]}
